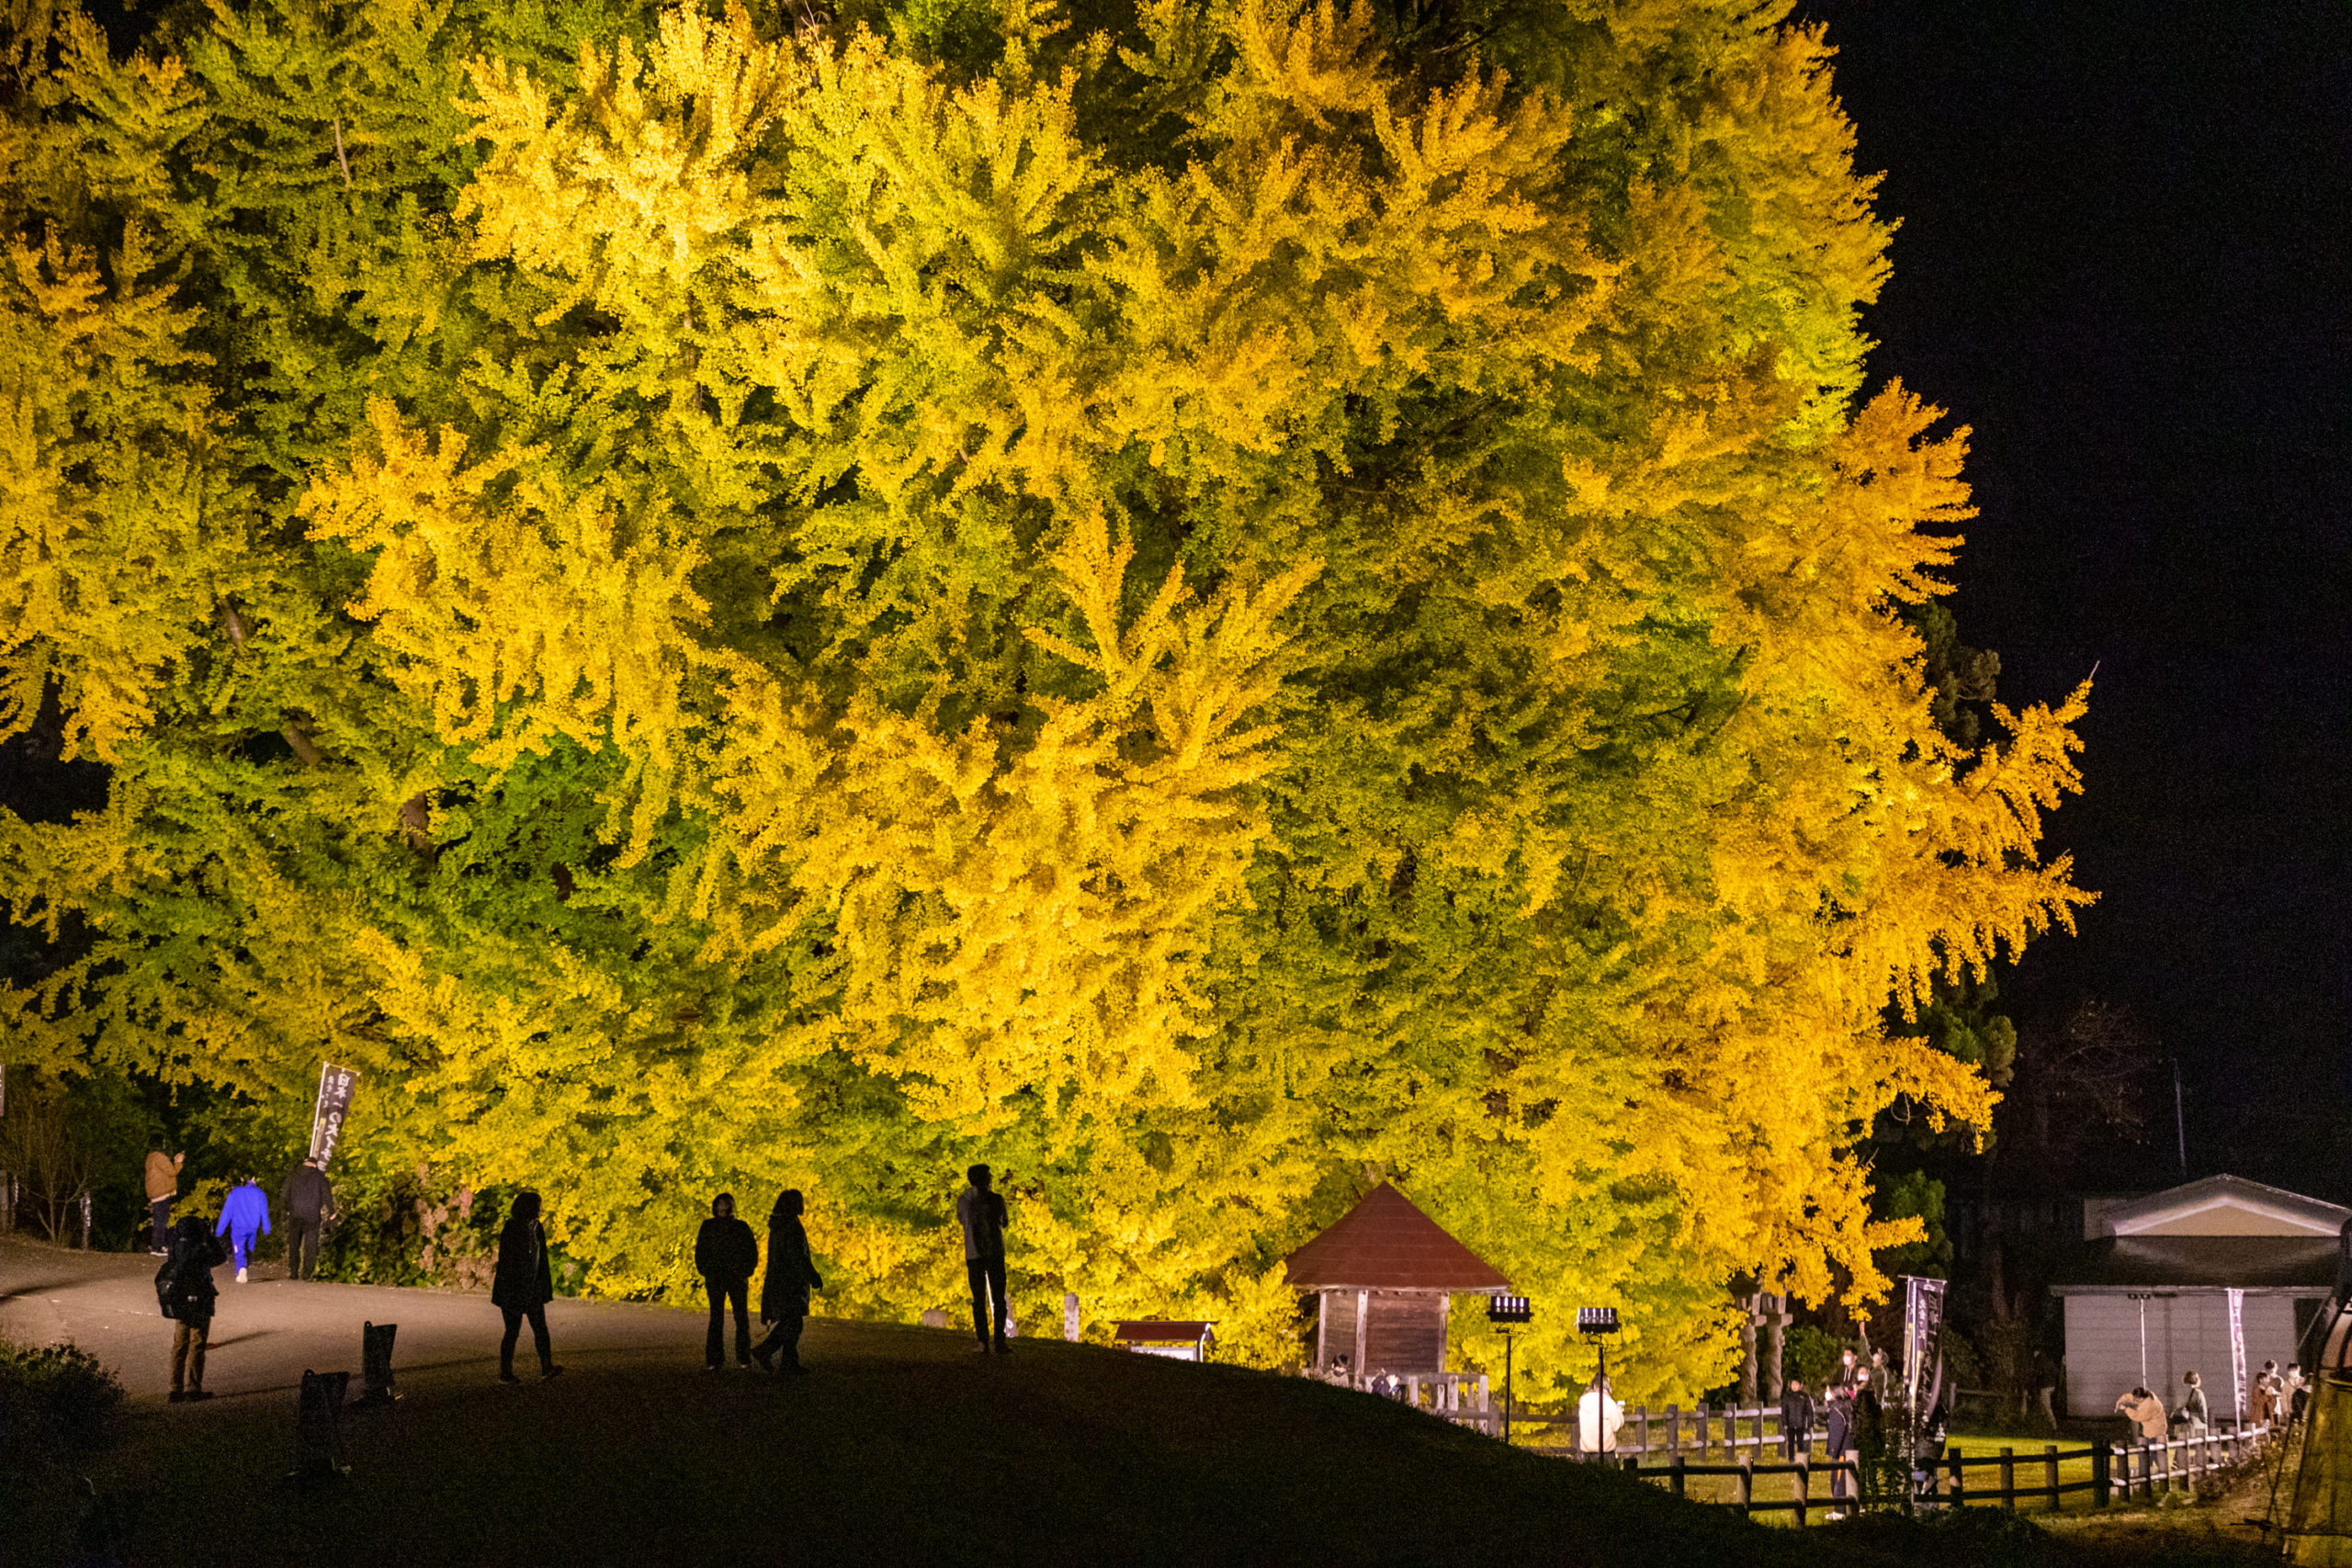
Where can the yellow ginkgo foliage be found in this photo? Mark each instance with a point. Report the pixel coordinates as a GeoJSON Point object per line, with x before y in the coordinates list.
{"type": "Point", "coordinates": [1210, 603]}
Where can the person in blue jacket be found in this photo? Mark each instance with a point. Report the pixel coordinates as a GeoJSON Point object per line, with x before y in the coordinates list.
{"type": "Point", "coordinates": [244, 1214]}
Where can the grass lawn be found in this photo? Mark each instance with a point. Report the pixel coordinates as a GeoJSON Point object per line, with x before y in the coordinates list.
{"type": "Point", "coordinates": [903, 1448]}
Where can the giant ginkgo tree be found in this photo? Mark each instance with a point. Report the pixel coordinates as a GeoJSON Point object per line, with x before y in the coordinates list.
{"type": "Point", "coordinates": [1211, 600]}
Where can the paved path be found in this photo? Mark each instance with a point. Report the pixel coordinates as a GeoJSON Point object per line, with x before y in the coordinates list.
{"type": "Point", "coordinates": [264, 1333]}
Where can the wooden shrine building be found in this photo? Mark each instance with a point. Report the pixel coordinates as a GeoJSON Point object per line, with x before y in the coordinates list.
{"type": "Point", "coordinates": [1381, 1277]}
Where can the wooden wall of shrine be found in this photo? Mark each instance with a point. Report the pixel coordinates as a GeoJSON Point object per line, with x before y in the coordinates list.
{"type": "Point", "coordinates": [1401, 1331]}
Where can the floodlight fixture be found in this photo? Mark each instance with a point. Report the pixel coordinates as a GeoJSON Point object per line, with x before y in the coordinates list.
{"type": "Point", "coordinates": [1505, 1313]}
{"type": "Point", "coordinates": [1593, 1323]}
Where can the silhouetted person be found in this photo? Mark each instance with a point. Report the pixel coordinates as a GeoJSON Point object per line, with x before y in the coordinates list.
{"type": "Point", "coordinates": [783, 1298]}
{"type": "Point", "coordinates": [162, 1186]}
{"type": "Point", "coordinates": [1838, 1429]}
{"type": "Point", "coordinates": [524, 1285]}
{"type": "Point", "coordinates": [1796, 1420]}
{"type": "Point", "coordinates": [305, 1199]}
{"type": "Point", "coordinates": [980, 1211]}
{"type": "Point", "coordinates": [727, 1255]}
{"type": "Point", "coordinates": [1866, 1430]}
{"type": "Point", "coordinates": [185, 1292]}
{"type": "Point", "coordinates": [244, 1214]}
{"type": "Point", "coordinates": [1934, 1436]}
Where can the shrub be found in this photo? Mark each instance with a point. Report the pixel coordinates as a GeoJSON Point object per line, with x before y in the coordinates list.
{"type": "Point", "coordinates": [418, 1227]}
{"type": "Point", "coordinates": [1983, 1538]}
{"type": "Point", "coordinates": [55, 1400]}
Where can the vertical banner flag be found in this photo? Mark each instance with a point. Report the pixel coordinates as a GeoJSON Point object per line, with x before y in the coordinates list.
{"type": "Point", "coordinates": [1923, 1321]}
{"type": "Point", "coordinates": [334, 1101]}
{"type": "Point", "coordinates": [2237, 1352]}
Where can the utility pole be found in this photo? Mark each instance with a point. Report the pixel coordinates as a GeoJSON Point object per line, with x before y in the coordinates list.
{"type": "Point", "coordinates": [2179, 1119]}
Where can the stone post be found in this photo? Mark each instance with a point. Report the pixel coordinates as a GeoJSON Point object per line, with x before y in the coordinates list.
{"type": "Point", "coordinates": [376, 1363]}
{"type": "Point", "coordinates": [317, 1427]}
{"type": "Point", "coordinates": [1748, 1320]}
{"type": "Point", "coordinates": [1776, 1340]}
{"type": "Point", "coordinates": [1069, 1315]}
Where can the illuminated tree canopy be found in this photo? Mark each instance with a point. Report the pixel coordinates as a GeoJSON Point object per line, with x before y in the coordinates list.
{"type": "Point", "coordinates": [1206, 601]}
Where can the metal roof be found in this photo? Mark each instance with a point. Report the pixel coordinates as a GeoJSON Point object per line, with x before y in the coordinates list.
{"type": "Point", "coordinates": [1153, 1331]}
{"type": "Point", "coordinates": [2308, 1215]}
{"type": "Point", "coordinates": [2249, 1262]}
{"type": "Point", "coordinates": [1385, 1243]}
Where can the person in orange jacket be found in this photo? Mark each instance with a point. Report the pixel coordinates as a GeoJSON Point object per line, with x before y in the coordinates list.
{"type": "Point", "coordinates": [2146, 1414]}
{"type": "Point", "coordinates": [163, 1190]}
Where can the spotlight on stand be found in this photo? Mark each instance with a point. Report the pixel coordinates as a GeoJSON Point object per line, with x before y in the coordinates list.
{"type": "Point", "coordinates": [1507, 1313]}
{"type": "Point", "coordinates": [1594, 1323]}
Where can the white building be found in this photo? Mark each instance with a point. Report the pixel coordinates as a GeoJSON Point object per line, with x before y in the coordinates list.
{"type": "Point", "coordinates": [2152, 1289]}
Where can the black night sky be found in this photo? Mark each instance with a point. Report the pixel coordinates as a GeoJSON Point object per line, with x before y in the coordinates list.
{"type": "Point", "coordinates": [2122, 261]}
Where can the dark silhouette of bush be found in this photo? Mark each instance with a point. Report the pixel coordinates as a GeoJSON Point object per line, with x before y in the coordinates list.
{"type": "Point", "coordinates": [55, 1402]}
{"type": "Point", "coordinates": [58, 1404]}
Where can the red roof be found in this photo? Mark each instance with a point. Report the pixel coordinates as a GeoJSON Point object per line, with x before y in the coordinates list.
{"type": "Point", "coordinates": [1386, 1244]}
{"type": "Point", "coordinates": [1151, 1331]}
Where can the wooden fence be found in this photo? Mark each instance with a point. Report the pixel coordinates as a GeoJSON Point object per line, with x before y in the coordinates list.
{"type": "Point", "coordinates": [1703, 1429]}
{"type": "Point", "coordinates": [1461, 1398]}
{"type": "Point", "coordinates": [2118, 1471]}
{"type": "Point", "coordinates": [1674, 1445]}
{"type": "Point", "coordinates": [1699, 1431]}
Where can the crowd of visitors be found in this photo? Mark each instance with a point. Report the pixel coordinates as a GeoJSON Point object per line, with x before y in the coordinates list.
{"type": "Point", "coordinates": [2278, 1397]}
{"type": "Point", "coordinates": [1848, 1416]}
{"type": "Point", "coordinates": [727, 1256]}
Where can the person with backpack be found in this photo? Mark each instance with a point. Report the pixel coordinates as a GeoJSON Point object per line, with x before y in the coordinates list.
{"type": "Point", "coordinates": [726, 1255]}
{"type": "Point", "coordinates": [980, 1211]}
{"type": "Point", "coordinates": [522, 1285]}
{"type": "Point", "coordinates": [244, 1214]}
{"type": "Point", "coordinates": [792, 1274]}
{"type": "Point", "coordinates": [2191, 1411]}
{"type": "Point", "coordinates": [185, 1293]}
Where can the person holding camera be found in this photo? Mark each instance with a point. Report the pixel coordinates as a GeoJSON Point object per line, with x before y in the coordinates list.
{"type": "Point", "coordinates": [185, 1293]}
